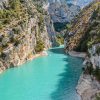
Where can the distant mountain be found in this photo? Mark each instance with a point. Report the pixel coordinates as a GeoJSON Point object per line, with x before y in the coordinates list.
{"type": "Point", "coordinates": [61, 12]}
{"type": "Point", "coordinates": [81, 3]}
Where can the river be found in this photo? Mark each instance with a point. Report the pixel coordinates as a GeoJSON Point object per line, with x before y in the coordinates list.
{"type": "Point", "coordinates": [52, 77]}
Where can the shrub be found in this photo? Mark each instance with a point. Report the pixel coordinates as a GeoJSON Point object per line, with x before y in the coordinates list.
{"type": "Point", "coordinates": [1, 26]}
{"type": "Point", "coordinates": [5, 45]}
{"type": "Point", "coordinates": [98, 50]}
{"type": "Point", "coordinates": [15, 4]}
{"type": "Point", "coordinates": [13, 11]}
{"type": "Point", "coordinates": [41, 23]}
{"type": "Point", "coordinates": [16, 30]}
{"type": "Point", "coordinates": [89, 69]}
{"type": "Point", "coordinates": [17, 42]}
{"type": "Point", "coordinates": [6, 21]}
{"type": "Point", "coordinates": [59, 39]}
{"type": "Point", "coordinates": [39, 46]}
{"type": "Point", "coordinates": [98, 96]}
{"type": "Point", "coordinates": [3, 55]}
{"type": "Point", "coordinates": [97, 73]}
{"type": "Point", "coordinates": [68, 26]}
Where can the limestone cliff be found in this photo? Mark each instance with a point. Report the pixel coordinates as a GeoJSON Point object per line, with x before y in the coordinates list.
{"type": "Point", "coordinates": [65, 10]}
{"type": "Point", "coordinates": [89, 83]}
{"type": "Point", "coordinates": [80, 28]}
{"type": "Point", "coordinates": [61, 12]}
{"type": "Point", "coordinates": [83, 35]}
{"type": "Point", "coordinates": [23, 32]}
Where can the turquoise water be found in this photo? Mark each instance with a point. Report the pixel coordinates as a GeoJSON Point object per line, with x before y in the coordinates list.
{"type": "Point", "coordinates": [52, 77]}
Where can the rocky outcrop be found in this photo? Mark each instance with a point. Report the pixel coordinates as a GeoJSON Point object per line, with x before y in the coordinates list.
{"type": "Point", "coordinates": [77, 54]}
{"type": "Point", "coordinates": [95, 55]}
{"type": "Point", "coordinates": [81, 3]}
{"type": "Point", "coordinates": [65, 10]}
{"type": "Point", "coordinates": [48, 21]}
{"type": "Point", "coordinates": [88, 88]}
{"type": "Point", "coordinates": [61, 12]}
{"type": "Point", "coordinates": [83, 35]}
{"type": "Point", "coordinates": [19, 38]}
{"type": "Point", "coordinates": [79, 30]}
{"type": "Point", "coordinates": [50, 29]}
{"type": "Point", "coordinates": [3, 3]}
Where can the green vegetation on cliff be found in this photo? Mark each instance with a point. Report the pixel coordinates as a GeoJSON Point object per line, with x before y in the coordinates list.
{"type": "Point", "coordinates": [22, 31]}
{"type": "Point", "coordinates": [14, 11]}
{"type": "Point", "coordinates": [39, 46]}
{"type": "Point", "coordinates": [59, 39]}
{"type": "Point", "coordinates": [85, 29]}
{"type": "Point", "coordinates": [15, 15]}
{"type": "Point", "coordinates": [98, 96]}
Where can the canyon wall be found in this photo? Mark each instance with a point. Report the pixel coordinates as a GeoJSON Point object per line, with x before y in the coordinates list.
{"type": "Point", "coordinates": [83, 35]}
{"type": "Point", "coordinates": [61, 12]}
{"type": "Point", "coordinates": [22, 36]}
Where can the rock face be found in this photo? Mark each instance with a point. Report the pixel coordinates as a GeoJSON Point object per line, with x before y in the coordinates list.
{"type": "Point", "coordinates": [65, 10]}
{"type": "Point", "coordinates": [81, 3]}
{"type": "Point", "coordinates": [80, 27]}
{"type": "Point", "coordinates": [2, 3]}
{"type": "Point", "coordinates": [94, 56]}
{"type": "Point", "coordinates": [50, 29]}
{"type": "Point", "coordinates": [61, 12]}
{"type": "Point", "coordinates": [48, 21]}
{"type": "Point", "coordinates": [19, 39]}
{"type": "Point", "coordinates": [88, 88]}
{"type": "Point", "coordinates": [83, 35]}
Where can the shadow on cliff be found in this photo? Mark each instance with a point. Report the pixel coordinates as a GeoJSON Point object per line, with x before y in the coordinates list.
{"type": "Point", "coordinates": [65, 87]}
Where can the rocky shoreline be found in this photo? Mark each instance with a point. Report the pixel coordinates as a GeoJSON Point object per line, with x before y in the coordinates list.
{"type": "Point", "coordinates": [32, 57]}
{"type": "Point", "coordinates": [23, 37]}
{"type": "Point", "coordinates": [87, 88]}
{"type": "Point", "coordinates": [79, 37]}
{"type": "Point", "coordinates": [77, 54]}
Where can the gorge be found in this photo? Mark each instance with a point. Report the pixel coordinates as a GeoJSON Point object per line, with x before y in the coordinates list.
{"type": "Point", "coordinates": [38, 28]}
{"type": "Point", "coordinates": [52, 77]}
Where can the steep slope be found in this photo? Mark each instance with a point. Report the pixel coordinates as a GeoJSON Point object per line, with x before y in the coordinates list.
{"type": "Point", "coordinates": [23, 32]}
{"type": "Point", "coordinates": [83, 35]}
{"type": "Point", "coordinates": [61, 12]}
{"type": "Point", "coordinates": [81, 27]}
{"type": "Point", "coordinates": [42, 6]}
{"type": "Point", "coordinates": [65, 10]}
{"type": "Point", "coordinates": [81, 3]}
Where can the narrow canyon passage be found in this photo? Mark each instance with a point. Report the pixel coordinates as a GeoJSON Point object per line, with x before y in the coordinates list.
{"type": "Point", "coordinates": [52, 77]}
